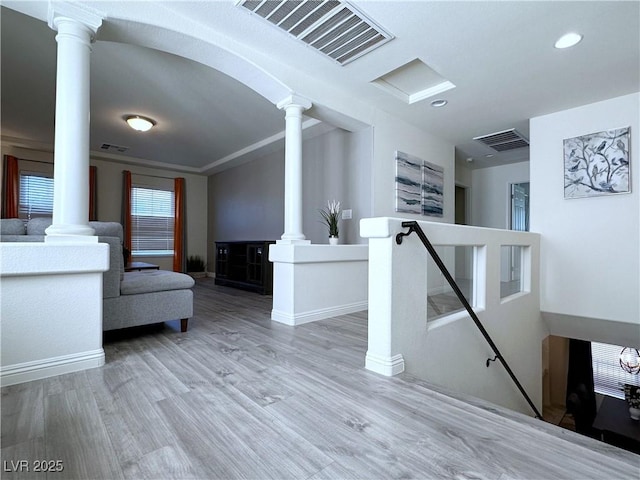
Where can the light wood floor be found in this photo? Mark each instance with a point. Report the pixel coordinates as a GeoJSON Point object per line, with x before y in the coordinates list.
{"type": "Point", "coordinates": [238, 396]}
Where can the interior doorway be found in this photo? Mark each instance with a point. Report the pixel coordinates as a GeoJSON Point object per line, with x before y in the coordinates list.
{"type": "Point", "coordinates": [519, 218]}
{"type": "Point", "coordinates": [464, 267]}
{"type": "Point", "coordinates": [461, 205]}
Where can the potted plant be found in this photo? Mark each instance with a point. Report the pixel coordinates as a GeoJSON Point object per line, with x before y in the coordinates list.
{"type": "Point", "coordinates": [330, 216]}
{"type": "Point", "coordinates": [632, 396]}
{"type": "Point", "coordinates": [195, 266]}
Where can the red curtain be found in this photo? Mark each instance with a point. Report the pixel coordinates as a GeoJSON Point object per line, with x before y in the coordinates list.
{"type": "Point", "coordinates": [126, 208]}
{"type": "Point", "coordinates": [179, 260]}
{"type": "Point", "coordinates": [93, 206]}
{"type": "Point", "coordinates": [10, 198]}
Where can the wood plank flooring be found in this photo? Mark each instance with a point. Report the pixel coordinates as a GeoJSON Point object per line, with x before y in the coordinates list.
{"type": "Point", "coordinates": [241, 397]}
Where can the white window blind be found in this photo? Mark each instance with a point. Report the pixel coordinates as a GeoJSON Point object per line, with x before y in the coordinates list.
{"type": "Point", "coordinates": [36, 196]}
{"type": "Point", "coordinates": [152, 212]}
{"type": "Point", "coordinates": [608, 376]}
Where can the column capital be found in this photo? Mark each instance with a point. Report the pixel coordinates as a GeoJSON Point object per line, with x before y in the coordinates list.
{"type": "Point", "coordinates": [63, 10]}
{"type": "Point", "coordinates": [294, 100]}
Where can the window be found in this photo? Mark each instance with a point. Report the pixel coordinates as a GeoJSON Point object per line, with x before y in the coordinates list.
{"type": "Point", "coordinates": [152, 212]}
{"type": "Point", "coordinates": [608, 376]}
{"type": "Point", "coordinates": [36, 196]}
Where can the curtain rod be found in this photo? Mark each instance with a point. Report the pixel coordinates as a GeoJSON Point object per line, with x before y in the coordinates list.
{"type": "Point", "coordinates": [132, 173]}
{"type": "Point", "coordinates": [35, 161]}
{"type": "Point", "coordinates": [153, 176]}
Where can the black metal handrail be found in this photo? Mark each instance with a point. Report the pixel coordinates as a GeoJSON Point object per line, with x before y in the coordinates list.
{"type": "Point", "coordinates": [413, 226]}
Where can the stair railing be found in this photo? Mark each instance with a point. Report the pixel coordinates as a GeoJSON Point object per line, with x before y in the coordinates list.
{"type": "Point", "coordinates": [413, 226]}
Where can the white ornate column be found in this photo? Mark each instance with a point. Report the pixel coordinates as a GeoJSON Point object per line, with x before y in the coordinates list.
{"type": "Point", "coordinates": [76, 28]}
{"type": "Point", "coordinates": [293, 106]}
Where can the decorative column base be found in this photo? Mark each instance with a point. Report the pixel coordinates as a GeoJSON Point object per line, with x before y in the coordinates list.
{"type": "Point", "coordinates": [61, 233]}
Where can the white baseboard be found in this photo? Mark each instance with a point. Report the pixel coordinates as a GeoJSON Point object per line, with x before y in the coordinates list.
{"type": "Point", "coordinates": [50, 367]}
{"type": "Point", "coordinates": [315, 315]}
{"type": "Point", "coordinates": [387, 366]}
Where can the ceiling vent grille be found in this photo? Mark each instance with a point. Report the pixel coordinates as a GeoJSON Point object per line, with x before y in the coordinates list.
{"type": "Point", "coordinates": [504, 141]}
{"type": "Point", "coordinates": [331, 27]}
{"type": "Point", "coordinates": [109, 147]}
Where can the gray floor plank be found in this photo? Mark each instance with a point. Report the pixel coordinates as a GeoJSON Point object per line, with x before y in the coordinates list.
{"type": "Point", "coordinates": [75, 434]}
{"type": "Point", "coordinates": [19, 460]}
{"type": "Point", "coordinates": [240, 396]}
{"type": "Point", "coordinates": [22, 413]}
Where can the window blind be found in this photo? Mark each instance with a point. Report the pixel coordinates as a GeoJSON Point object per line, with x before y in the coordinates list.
{"type": "Point", "coordinates": [36, 196]}
{"type": "Point", "coordinates": [608, 376]}
{"type": "Point", "coordinates": [152, 212]}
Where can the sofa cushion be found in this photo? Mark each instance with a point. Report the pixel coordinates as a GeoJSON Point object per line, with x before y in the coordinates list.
{"type": "Point", "coordinates": [37, 226]}
{"type": "Point", "coordinates": [154, 281]}
{"type": "Point", "coordinates": [12, 226]}
{"type": "Point", "coordinates": [107, 229]}
{"type": "Point", "coordinates": [21, 238]}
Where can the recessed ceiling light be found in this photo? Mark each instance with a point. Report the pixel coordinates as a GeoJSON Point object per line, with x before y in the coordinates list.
{"type": "Point", "coordinates": [489, 155]}
{"type": "Point", "coordinates": [139, 123]}
{"type": "Point", "coordinates": [568, 40]}
{"type": "Point", "coordinates": [439, 103]}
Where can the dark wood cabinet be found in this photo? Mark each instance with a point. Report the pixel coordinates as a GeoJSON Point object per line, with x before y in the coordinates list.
{"type": "Point", "coordinates": [245, 265]}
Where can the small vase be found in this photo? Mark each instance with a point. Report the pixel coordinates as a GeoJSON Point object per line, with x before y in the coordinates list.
{"type": "Point", "coordinates": [333, 240]}
{"type": "Point", "coordinates": [635, 413]}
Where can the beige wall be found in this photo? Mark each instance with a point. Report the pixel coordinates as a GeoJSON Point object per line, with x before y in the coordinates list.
{"type": "Point", "coordinates": [109, 195]}
{"type": "Point", "coordinates": [109, 179]}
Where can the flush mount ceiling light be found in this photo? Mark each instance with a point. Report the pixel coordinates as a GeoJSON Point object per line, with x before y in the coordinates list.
{"type": "Point", "coordinates": [139, 123]}
{"type": "Point", "coordinates": [439, 103]}
{"type": "Point", "coordinates": [568, 40]}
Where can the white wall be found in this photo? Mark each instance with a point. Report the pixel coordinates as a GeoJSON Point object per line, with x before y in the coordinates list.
{"type": "Point", "coordinates": [491, 195]}
{"type": "Point", "coordinates": [247, 202]}
{"type": "Point", "coordinates": [391, 134]}
{"type": "Point", "coordinates": [590, 254]}
{"type": "Point", "coordinates": [109, 192]}
{"type": "Point", "coordinates": [337, 166]}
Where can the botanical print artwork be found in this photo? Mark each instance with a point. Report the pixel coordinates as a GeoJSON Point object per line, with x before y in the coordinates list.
{"type": "Point", "coordinates": [432, 190]}
{"type": "Point", "coordinates": [597, 164]}
{"type": "Point", "coordinates": [408, 183]}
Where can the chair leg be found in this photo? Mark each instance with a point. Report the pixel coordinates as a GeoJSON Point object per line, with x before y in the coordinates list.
{"type": "Point", "coordinates": [183, 324]}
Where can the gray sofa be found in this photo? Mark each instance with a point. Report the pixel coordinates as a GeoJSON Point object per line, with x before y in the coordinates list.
{"type": "Point", "coordinates": [129, 298]}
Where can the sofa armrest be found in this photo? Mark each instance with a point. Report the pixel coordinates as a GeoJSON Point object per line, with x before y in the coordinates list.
{"type": "Point", "coordinates": [113, 276]}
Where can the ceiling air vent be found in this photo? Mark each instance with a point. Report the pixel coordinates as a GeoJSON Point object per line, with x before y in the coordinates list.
{"type": "Point", "coordinates": [113, 148]}
{"type": "Point", "coordinates": [334, 28]}
{"type": "Point", "coordinates": [504, 141]}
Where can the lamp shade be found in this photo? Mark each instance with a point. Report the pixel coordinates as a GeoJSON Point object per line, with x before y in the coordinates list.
{"type": "Point", "coordinates": [141, 124]}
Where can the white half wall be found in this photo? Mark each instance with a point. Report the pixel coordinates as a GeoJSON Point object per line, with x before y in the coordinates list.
{"type": "Point", "coordinates": [313, 282]}
{"type": "Point", "coordinates": [590, 254]}
{"type": "Point", "coordinates": [51, 305]}
{"type": "Point", "coordinates": [451, 351]}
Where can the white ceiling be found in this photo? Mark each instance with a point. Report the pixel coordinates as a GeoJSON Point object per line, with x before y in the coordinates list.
{"type": "Point", "coordinates": [499, 55]}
